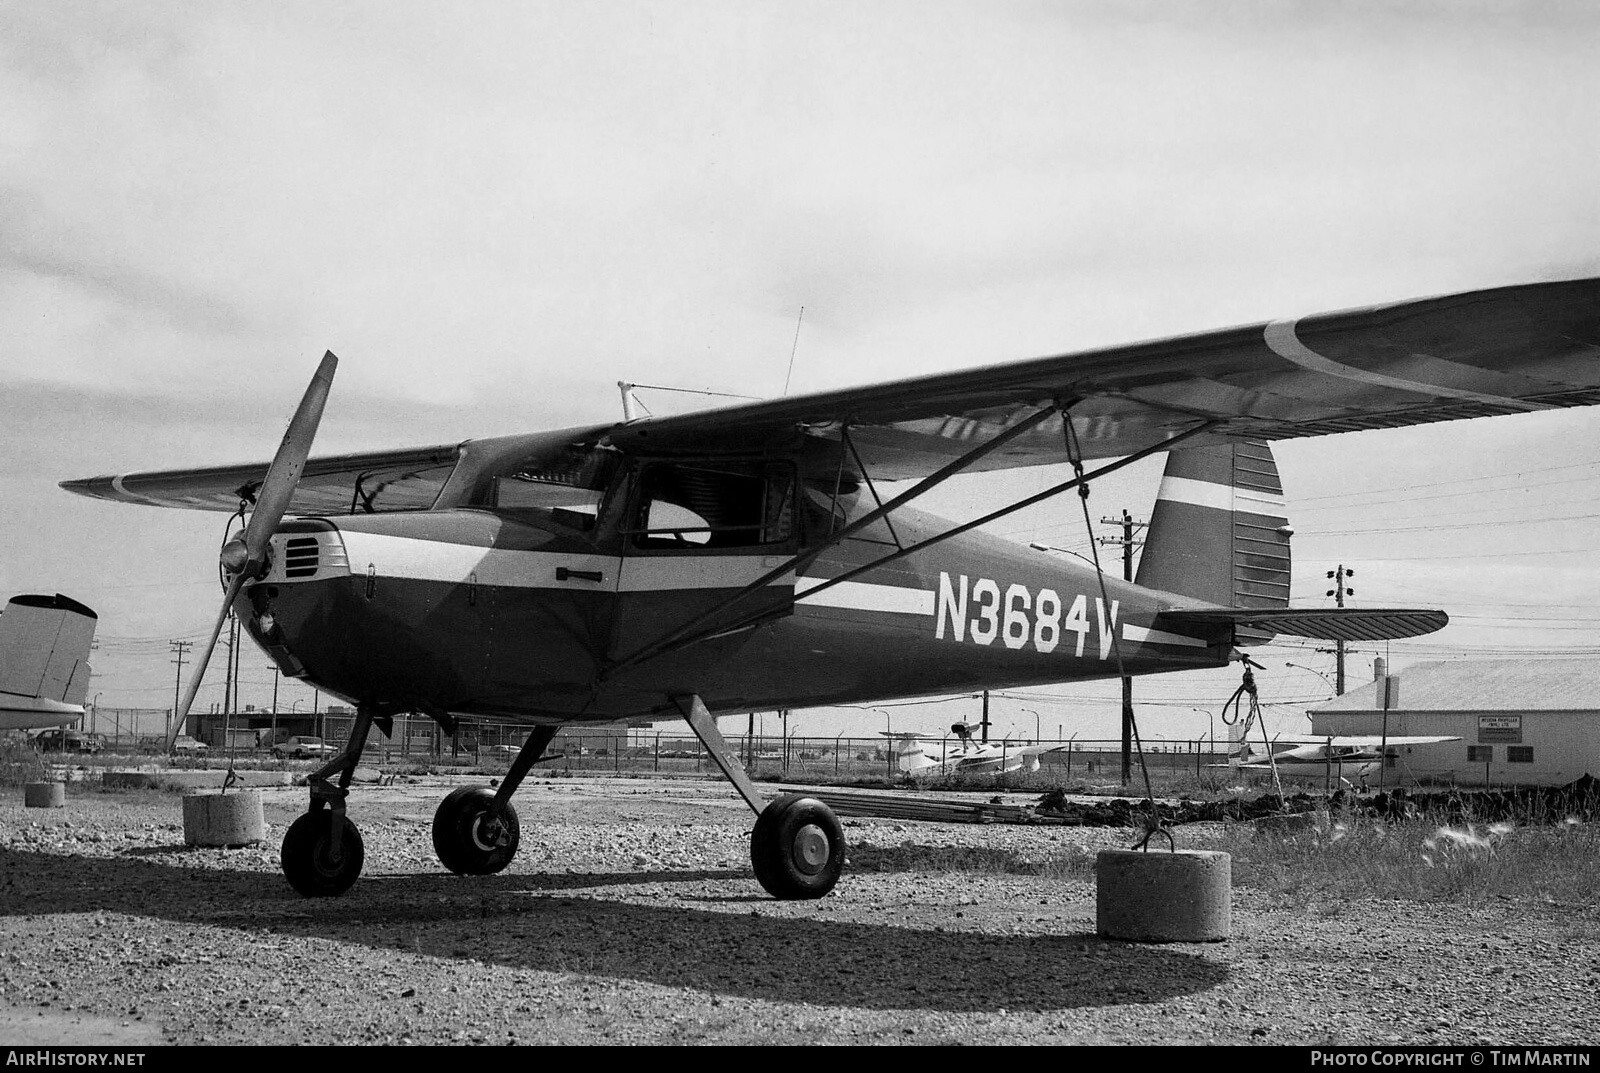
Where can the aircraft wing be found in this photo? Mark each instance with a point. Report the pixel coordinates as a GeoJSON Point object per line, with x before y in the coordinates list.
{"type": "Point", "coordinates": [409, 478]}
{"type": "Point", "coordinates": [1373, 741]}
{"type": "Point", "coordinates": [1040, 750]}
{"type": "Point", "coordinates": [1506, 350]}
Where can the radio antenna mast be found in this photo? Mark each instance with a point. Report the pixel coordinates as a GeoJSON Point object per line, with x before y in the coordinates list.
{"type": "Point", "coordinates": [792, 349]}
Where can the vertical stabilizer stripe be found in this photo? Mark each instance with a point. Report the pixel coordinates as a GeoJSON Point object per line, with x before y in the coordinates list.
{"type": "Point", "coordinates": [1220, 496]}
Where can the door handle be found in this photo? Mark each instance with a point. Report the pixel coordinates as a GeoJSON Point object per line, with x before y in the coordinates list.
{"type": "Point", "coordinates": [564, 574]}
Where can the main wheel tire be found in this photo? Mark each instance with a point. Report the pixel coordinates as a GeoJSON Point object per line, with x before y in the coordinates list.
{"type": "Point", "coordinates": [307, 856]}
{"type": "Point", "coordinates": [469, 839]}
{"type": "Point", "coordinates": [797, 848]}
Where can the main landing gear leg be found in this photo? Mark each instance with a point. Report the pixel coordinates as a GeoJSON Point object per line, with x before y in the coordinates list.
{"type": "Point", "coordinates": [322, 852]}
{"type": "Point", "coordinates": [475, 833]}
{"type": "Point", "coordinates": [797, 846]}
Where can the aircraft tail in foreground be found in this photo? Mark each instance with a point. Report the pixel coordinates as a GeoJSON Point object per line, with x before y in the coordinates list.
{"type": "Point", "coordinates": [1219, 534]}
{"type": "Point", "coordinates": [44, 661]}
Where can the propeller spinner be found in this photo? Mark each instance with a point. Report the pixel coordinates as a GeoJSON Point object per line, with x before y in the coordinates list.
{"type": "Point", "coordinates": [244, 556]}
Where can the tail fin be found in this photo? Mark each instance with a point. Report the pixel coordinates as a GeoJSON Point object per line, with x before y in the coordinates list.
{"type": "Point", "coordinates": [1219, 534]}
{"type": "Point", "coordinates": [44, 648]}
{"type": "Point", "coordinates": [1219, 531]}
{"type": "Point", "coordinates": [910, 756]}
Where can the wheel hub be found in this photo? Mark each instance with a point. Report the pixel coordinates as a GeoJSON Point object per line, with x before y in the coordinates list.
{"type": "Point", "coordinates": [810, 849]}
{"type": "Point", "coordinates": [488, 832]}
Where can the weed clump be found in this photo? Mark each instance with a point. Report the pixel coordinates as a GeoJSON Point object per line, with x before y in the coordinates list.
{"type": "Point", "coordinates": [20, 763]}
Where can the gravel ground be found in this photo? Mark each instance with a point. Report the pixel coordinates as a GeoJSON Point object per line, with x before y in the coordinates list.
{"type": "Point", "coordinates": [631, 916]}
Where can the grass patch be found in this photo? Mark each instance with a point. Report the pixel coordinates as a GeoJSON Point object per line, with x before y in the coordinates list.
{"type": "Point", "coordinates": [1427, 859]}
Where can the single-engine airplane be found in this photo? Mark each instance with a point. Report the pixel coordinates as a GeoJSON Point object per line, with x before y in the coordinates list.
{"type": "Point", "coordinates": [1351, 759]}
{"type": "Point", "coordinates": [921, 759]}
{"type": "Point", "coordinates": [746, 558]}
{"type": "Point", "coordinates": [44, 661]}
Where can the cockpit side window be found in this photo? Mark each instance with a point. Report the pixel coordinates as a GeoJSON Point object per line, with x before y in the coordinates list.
{"type": "Point", "coordinates": [713, 504]}
{"type": "Point", "coordinates": [566, 486]}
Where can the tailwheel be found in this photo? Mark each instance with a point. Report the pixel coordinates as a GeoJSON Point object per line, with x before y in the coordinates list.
{"type": "Point", "coordinates": [309, 861]}
{"type": "Point", "coordinates": [470, 838]}
{"type": "Point", "coordinates": [797, 848]}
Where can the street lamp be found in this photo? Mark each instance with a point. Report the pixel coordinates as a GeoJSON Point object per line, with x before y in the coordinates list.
{"type": "Point", "coordinates": [1332, 689]}
{"type": "Point", "coordinates": [1211, 728]}
{"type": "Point", "coordinates": [1300, 666]}
{"type": "Point", "coordinates": [1035, 715]}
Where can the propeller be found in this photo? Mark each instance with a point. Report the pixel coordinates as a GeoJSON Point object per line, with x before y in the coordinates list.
{"type": "Point", "coordinates": [244, 556]}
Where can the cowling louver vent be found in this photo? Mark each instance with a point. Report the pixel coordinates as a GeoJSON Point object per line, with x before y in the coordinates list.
{"type": "Point", "coordinates": [300, 557]}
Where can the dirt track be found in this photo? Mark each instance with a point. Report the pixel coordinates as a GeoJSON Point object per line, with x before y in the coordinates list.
{"type": "Point", "coordinates": [631, 916]}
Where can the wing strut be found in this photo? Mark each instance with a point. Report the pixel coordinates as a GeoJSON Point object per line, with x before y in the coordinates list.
{"type": "Point", "coordinates": [849, 442]}
{"type": "Point", "coordinates": [804, 558]}
{"type": "Point", "coordinates": [696, 630]}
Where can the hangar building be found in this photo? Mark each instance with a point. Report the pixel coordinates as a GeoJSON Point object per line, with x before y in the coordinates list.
{"type": "Point", "coordinates": [1521, 722]}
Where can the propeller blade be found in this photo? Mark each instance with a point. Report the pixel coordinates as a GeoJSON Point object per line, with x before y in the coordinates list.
{"type": "Point", "coordinates": [243, 557]}
{"type": "Point", "coordinates": [272, 501]}
{"type": "Point", "coordinates": [181, 715]}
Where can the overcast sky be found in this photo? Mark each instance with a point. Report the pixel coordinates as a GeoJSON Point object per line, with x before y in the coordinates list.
{"type": "Point", "coordinates": [494, 211]}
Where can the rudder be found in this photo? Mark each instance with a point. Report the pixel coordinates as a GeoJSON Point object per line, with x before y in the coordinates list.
{"type": "Point", "coordinates": [1219, 531]}
{"type": "Point", "coordinates": [44, 648]}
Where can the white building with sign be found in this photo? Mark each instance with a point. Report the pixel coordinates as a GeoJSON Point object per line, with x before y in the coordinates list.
{"type": "Point", "coordinates": [1521, 722]}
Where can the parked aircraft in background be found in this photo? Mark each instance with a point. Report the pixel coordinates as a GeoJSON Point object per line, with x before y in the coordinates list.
{"type": "Point", "coordinates": [923, 759]}
{"type": "Point", "coordinates": [44, 661]}
{"type": "Point", "coordinates": [1351, 759]}
{"type": "Point", "coordinates": [747, 559]}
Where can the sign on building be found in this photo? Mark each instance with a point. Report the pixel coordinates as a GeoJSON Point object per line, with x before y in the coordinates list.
{"type": "Point", "coordinates": [1497, 729]}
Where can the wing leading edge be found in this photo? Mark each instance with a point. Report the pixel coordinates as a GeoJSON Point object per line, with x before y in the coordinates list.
{"type": "Point", "coordinates": [405, 479]}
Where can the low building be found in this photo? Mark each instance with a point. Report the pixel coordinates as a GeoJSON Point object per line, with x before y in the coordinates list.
{"type": "Point", "coordinates": [1521, 722]}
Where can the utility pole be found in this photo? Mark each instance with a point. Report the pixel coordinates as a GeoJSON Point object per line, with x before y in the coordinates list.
{"type": "Point", "coordinates": [227, 667]}
{"type": "Point", "coordinates": [273, 740]}
{"type": "Point", "coordinates": [1340, 592]}
{"type": "Point", "coordinates": [984, 722]}
{"type": "Point", "coordinates": [181, 648]}
{"type": "Point", "coordinates": [1127, 542]}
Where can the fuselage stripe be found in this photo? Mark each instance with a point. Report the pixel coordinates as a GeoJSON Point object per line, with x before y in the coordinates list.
{"type": "Point", "coordinates": [1141, 635]}
{"type": "Point", "coordinates": [860, 596]}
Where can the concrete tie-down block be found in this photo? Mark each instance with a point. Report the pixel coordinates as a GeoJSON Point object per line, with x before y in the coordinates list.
{"type": "Point", "coordinates": [233, 818]}
{"type": "Point", "coordinates": [51, 794]}
{"type": "Point", "coordinates": [1163, 897]}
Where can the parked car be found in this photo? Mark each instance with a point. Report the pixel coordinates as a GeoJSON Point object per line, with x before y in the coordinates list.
{"type": "Point", "coordinates": [303, 747]}
{"type": "Point", "coordinates": [69, 741]}
{"type": "Point", "coordinates": [186, 744]}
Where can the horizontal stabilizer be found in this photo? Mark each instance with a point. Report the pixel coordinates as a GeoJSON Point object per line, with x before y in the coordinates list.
{"type": "Point", "coordinates": [1324, 624]}
{"type": "Point", "coordinates": [34, 713]}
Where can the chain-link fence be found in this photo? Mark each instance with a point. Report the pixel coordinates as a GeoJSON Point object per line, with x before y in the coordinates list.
{"type": "Point", "coordinates": [419, 741]}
